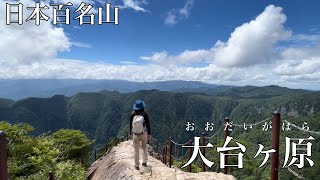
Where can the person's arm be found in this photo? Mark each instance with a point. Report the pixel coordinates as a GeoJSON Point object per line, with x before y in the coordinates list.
{"type": "Point", "coordinates": [146, 118]}
{"type": "Point", "coordinates": [131, 119]}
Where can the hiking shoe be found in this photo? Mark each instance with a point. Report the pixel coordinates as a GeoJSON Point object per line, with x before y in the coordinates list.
{"type": "Point", "coordinates": [144, 164]}
{"type": "Point", "coordinates": [136, 167]}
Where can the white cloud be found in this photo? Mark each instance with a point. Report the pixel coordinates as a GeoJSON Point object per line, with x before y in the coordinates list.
{"type": "Point", "coordinates": [75, 69]}
{"type": "Point", "coordinates": [251, 55]}
{"type": "Point", "coordinates": [80, 44]}
{"type": "Point", "coordinates": [29, 51]}
{"type": "Point", "coordinates": [303, 46]}
{"type": "Point", "coordinates": [173, 16]}
{"type": "Point", "coordinates": [314, 29]}
{"type": "Point", "coordinates": [186, 57]}
{"type": "Point", "coordinates": [185, 11]}
{"type": "Point", "coordinates": [306, 37]}
{"type": "Point", "coordinates": [135, 5]}
{"type": "Point", "coordinates": [249, 44]}
{"type": "Point", "coordinates": [128, 62]}
{"type": "Point", "coordinates": [304, 67]}
{"type": "Point", "coordinates": [300, 63]}
{"type": "Point", "coordinates": [253, 42]}
{"type": "Point", "coordinates": [28, 43]}
{"type": "Point", "coordinates": [301, 52]}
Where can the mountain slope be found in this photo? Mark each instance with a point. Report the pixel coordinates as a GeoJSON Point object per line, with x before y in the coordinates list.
{"type": "Point", "coordinates": [102, 115]}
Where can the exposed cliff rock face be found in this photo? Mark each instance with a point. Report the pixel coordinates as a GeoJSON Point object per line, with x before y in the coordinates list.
{"type": "Point", "coordinates": [118, 164]}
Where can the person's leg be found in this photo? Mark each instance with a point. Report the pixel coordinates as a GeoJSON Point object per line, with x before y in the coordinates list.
{"type": "Point", "coordinates": [144, 139]}
{"type": "Point", "coordinates": [136, 143]}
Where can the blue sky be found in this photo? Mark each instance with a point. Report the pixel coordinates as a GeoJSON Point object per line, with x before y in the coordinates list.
{"type": "Point", "coordinates": [141, 34]}
{"type": "Point", "coordinates": [215, 41]}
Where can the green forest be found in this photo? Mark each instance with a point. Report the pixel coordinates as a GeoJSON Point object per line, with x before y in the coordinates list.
{"type": "Point", "coordinates": [51, 126]}
{"type": "Point", "coordinates": [64, 152]}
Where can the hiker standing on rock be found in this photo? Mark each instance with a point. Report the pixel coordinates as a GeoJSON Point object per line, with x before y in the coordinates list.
{"type": "Point", "coordinates": [140, 130]}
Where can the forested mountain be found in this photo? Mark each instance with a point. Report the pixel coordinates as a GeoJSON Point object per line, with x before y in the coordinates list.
{"type": "Point", "coordinates": [245, 91]}
{"type": "Point", "coordinates": [105, 114]}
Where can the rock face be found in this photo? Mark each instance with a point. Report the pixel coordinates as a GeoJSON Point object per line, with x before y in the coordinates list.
{"type": "Point", "coordinates": [118, 164]}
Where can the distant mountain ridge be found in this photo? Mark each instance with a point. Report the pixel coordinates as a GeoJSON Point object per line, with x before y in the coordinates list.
{"type": "Point", "coordinates": [94, 112]}
{"type": "Point", "coordinates": [105, 114]}
{"type": "Point", "coordinates": [17, 89]}
{"type": "Point", "coordinates": [22, 88]}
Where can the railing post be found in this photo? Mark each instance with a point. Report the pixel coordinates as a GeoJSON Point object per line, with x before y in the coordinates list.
{"type": "Point", "coordinates": [275, 145]}
{"type": "Point", "coordinates": [226, 133]}
{"type": "Point", "coordinates": [3, 156]}
{"type": "Point", "coordinates": [190, 154]}
{"type": "Point", "coordinates": [170, 149]}
{"type": "Point", "coordinates": [51, 176]}
{"type": "Point", "coordinates": [95, 154]}
{"type": "Point", "coordinates": [165, 153]}
{"type": "Point", "coordinates": [203, 151]}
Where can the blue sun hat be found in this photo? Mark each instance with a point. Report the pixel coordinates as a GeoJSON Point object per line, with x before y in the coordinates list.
{"type": "Point", "coordinates": [138, 105]}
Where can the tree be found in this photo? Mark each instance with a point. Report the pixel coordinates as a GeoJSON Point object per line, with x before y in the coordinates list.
{"type": "Point", "coordinates": [73, 144]}
{"type": "Point", "coordinates": [34, 157]}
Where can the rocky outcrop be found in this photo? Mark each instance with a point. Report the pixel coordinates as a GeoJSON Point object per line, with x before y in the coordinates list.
{"type": "Point", "coordinates": [118, 164]}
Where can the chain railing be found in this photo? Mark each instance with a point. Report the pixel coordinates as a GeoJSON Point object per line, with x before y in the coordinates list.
{"type": "Point", "coordinates": [167, 153]}
{"type": "Point", "coordinates": [301, 129]}
{"type": "Point", "coordinates": [254, 124]}
{"type": "Point", "coordinates": [97, 153]}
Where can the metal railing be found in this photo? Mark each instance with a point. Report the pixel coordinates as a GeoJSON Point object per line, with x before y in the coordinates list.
{"type": "Point", "coordinates": [97, 153]}
{"type": "Point", "coordinates": [167, 148]}
{"type": "Point", "coordinates": [3, 156]}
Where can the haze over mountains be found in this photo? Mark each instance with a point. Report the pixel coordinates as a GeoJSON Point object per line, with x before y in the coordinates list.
{"type": "Point", "coordinates": [17, 89]}
{"type": "Point", "coordinates": [22, 88]}
{"type": "Point", "coordinates": [93, 112]}
{"type": "Point", "coordinates": [104, 114]}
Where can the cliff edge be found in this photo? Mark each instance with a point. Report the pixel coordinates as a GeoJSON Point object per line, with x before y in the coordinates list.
{"type": "Point", "coordinates": [118, 164]}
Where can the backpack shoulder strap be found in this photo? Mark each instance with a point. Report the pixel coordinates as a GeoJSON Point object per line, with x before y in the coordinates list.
{"type": "Point", "coordinates": [142, 114]}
